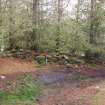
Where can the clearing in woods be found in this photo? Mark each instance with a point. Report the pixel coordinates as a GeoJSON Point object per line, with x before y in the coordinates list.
{"type": "Point", "coordinates": [72, 85]}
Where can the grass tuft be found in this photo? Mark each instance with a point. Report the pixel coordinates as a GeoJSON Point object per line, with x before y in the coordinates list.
{"type": "Point", "coordinates": [25, 92]}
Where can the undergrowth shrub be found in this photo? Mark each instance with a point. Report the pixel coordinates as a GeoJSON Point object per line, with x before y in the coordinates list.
{"type": "Point", "coordinates": [41, 60]}
{"type": "Point", "coordinates": [26, 90]}
{"type": "Point", "coordinates": [95, 52]}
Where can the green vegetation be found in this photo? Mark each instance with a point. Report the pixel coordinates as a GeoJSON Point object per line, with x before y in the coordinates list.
{"type": "Point", "coordinates": [25, 92]}
{"type": "Point", "coordinates": [80, 77]}
{"type": "Point", "coordinates": [29, 26]}
{"type": "Point", "coordinates": [41, 60]}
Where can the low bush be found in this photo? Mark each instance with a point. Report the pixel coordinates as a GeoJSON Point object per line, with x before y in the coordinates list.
{"type": "Point", "coordinates": [95, 52]}
{"type": "Point", "coordinates": [41, 60]}
{"type": "Point", "coordinates": [26, 90]}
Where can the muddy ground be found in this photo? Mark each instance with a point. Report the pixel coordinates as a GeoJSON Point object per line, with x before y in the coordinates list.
{"type": "Point", "coordinates": [63, 85]}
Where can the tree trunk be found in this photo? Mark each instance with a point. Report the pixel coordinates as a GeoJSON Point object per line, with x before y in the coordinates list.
{"type": "Point", "coordinates": [0, 15]}
{"type": "Point", "coordinates": [78, 11]}
{"type": "Point", "coordinates": [11, 24]}
{"type": "Point", "coordinates": [35, 40]}
{"type": "Point", "coordinates": [92, 20]}
{"type": "Point", "coordinates": [59, 12]}
{"type": "Point", "coordinates": [1, 36]}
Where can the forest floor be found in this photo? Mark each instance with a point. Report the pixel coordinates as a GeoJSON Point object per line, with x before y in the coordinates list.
{"type": "Point", "coordinates": [63, 85]}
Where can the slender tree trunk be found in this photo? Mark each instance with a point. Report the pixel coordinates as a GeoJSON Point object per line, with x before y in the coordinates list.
{"type": "Point", "coordinates": [78, 12]}
{"type": "Point", "coordinates": [0, 10]}
{"type": "Point", "coordinates": [92, 20]}
{"type": "Point", "coordinates": [0, 15]}
{"type": "Point", "coordinates": [59, 11]}
{"type": "Point", "coordinates": [77, 18]}
{"type": "Point", "coordinates": [11, 24]}
{"type": "Point", "coordinates": [35, 36]}
{"type": "Point", "coordinates": [1, 38]}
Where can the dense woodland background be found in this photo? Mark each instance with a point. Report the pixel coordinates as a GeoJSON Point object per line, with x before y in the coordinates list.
{"type": "Point", "coordinates": [52, 52]}
{"type": "Point", "coordinates": [52, 26]}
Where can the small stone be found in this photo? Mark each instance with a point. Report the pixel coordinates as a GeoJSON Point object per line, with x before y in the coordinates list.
{"type": "Point", "coordinates": [2, 77]}
{"type": "Point", "coordinates": [76, 66]}
{"type": "Point", "coordinates": [83, 55]}
{"type": "Point", "coordinates": [97, 87]}
{"type": "Point", "coordinates": [66, 57]}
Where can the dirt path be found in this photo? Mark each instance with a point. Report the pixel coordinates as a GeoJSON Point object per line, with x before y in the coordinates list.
{"type": "Point", "coordinates": [90, 91]}
{"type": "Point", "coordinates": [13, 65]}
{"type": "Point", "coordinates": [73, 85]}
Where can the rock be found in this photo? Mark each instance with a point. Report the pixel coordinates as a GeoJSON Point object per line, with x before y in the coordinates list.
{"type": "Point", "coordinates": [2, 77]}
{"type": "Point", "coordinates": [82, 55]}
{"type": "Point", "coordinates": [66, 57]}
{"type": "Point", "coordinates": [97, 87]}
